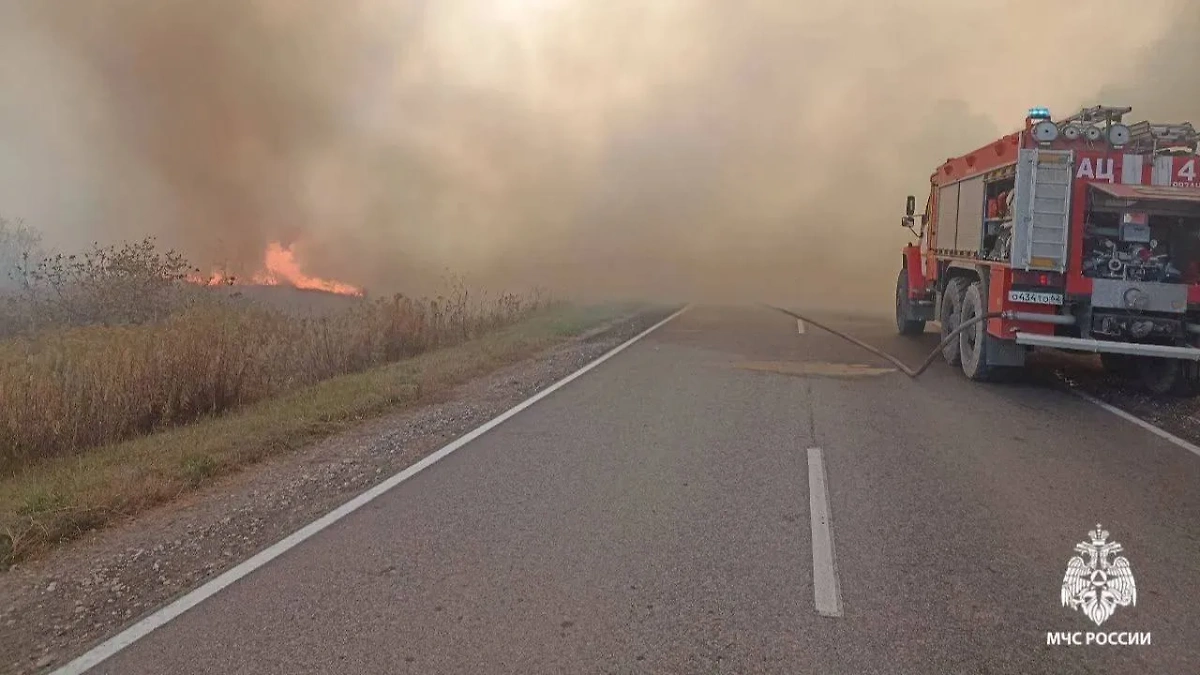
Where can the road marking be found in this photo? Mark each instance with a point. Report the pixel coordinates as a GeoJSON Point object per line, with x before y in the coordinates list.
{"type": "Point", "coordinates": [800, 326]}
{"type": "Point", "coordinates": [827, 592]}
{"type": "Point", "coordinates": [1156, 430]}
{"type": "Point", "coordinates": [159, 618]}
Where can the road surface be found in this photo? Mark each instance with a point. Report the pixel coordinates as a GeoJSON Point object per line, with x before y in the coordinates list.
{"type": "Point", "coordinates": [666, 513]}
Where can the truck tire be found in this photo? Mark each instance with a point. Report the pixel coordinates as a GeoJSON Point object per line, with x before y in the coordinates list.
{"type": "Point", "coordinates": [905, 325]}
{"type": "Point", "coordinates": [972, 342]}
{"type": "Point", "coordinates": [1168, 377]}
{"type": "Point", "coordinates": [1191, 375]}
{"type": "Point", "coordinates": [948, 316]}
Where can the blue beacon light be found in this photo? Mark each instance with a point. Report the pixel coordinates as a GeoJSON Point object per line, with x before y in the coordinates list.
{"type": "Point", "coordinates": [1039, 113]}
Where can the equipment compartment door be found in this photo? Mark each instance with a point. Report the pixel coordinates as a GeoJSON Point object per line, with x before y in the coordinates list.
{"type": "Point", "coordinates": [1042, 209]}
{"type": "Point", "coordinates": [969, 236]}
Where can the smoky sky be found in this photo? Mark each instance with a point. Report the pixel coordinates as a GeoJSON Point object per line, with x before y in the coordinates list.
{"type": "Point", "coordinates": [758, 150]}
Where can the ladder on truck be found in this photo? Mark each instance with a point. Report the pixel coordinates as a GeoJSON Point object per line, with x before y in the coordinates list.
{"type": "Point", "coordinates": [1042, 209]}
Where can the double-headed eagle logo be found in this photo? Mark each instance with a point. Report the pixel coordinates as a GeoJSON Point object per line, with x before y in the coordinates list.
{"type": "Point", "coordinates": [1097, 584]}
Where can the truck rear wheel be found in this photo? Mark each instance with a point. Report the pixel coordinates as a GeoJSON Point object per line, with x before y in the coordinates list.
{"type": "Point", "coordinates": [949, 317]}
{"type": "Point", "coordinates": [972, 342]}
{"type": "Point", "coordinates": [904, 324]}
{"type": "Point", "coordinates": [1191, 376]}
{"type": "Point", "coordinates": [1168, 377]}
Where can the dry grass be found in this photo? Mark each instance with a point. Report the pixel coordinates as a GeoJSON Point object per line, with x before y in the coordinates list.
{"type": "Point", "coordinates": [71, 389]}
{"type": "Point", "coordinates": [55, 500]}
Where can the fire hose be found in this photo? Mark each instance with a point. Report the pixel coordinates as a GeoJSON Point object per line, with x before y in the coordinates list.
{"type": "Point", "coordinates": [952, 335]}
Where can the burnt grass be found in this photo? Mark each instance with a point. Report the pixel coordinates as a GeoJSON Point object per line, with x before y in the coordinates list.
{"type": "Point", "coordinates": [290, 299]}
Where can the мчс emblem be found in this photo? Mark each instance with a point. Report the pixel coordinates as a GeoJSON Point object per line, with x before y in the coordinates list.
{"type": "Point", "coordinates": [1097, 584]}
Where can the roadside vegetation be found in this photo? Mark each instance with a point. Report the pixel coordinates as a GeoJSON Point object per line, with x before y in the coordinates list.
{"type": "Point", "coordinates": [122, 384]}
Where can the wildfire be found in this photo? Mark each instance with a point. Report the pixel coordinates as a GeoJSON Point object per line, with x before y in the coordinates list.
{"type": "Point", "coordinates": [281, 269]}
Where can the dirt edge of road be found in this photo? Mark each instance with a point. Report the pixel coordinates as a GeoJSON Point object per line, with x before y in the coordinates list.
{"type": "Point", "coordinates": [56, 607]}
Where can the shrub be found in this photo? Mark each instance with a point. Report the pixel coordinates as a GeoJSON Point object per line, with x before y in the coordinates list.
{"type": "Point", "coordinates": [108, 285]}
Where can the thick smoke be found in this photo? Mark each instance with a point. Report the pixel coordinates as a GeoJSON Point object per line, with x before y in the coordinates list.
{"type": "Point", "coordinates": [758, 150]}
{"type": "Point", "coordinates": [1164, 85]}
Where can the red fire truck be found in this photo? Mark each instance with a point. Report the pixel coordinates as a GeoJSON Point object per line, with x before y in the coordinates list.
{"type": "Point", "coordinates": [1078, 234]}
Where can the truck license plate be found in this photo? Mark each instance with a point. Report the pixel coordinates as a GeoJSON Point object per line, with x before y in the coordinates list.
{"type": "Point", "coordinates": [1035, 297]}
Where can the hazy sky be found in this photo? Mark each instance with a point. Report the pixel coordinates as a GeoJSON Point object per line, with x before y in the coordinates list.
{"type": "Point", "coordinates": [752, 150]}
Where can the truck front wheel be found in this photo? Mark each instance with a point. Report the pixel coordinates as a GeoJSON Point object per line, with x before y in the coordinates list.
{"type": "Point", "coordinates": [904, 323]}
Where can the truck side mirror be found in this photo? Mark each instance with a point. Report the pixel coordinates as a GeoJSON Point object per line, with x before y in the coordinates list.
{"type": "Point", "coordinates": [910, 208]}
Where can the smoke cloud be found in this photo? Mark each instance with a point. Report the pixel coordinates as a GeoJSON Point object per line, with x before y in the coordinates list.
{"type": "Point", "coordinates": [758, 150]}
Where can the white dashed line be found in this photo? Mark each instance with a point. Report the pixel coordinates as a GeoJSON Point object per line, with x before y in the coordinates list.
{"type": "Point", "coordinates": [827, 592]}
{"type": "Point", "coordinates": [800, 326]}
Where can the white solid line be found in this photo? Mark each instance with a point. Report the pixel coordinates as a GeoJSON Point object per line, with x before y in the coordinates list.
{"type": "Point", "coordinates": [800, 326]}
{"type": "Point", "coordinates": [827, 592]}
{"type": "Point", "coordinates": [162, 616]}
{"type": "Point", "coordinates": [1157, 431]}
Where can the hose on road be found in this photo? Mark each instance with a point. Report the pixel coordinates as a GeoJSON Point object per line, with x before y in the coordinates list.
{"type": "Point", "coordinates": [953, 335]}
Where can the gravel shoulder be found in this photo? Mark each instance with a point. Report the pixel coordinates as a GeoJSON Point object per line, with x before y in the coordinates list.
{"type": "Point", "coordinates": [57, 606]}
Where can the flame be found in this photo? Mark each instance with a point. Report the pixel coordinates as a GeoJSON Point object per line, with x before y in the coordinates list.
{"type": "Point", "coordinates": [280, 269]}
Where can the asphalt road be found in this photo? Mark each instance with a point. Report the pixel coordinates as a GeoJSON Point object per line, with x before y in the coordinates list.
{"type": "Point", "coordinates": [654, 516]}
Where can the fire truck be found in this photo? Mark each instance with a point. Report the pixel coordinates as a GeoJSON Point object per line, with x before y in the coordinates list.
{"type": "Point", "coordinates": [1078, 234]}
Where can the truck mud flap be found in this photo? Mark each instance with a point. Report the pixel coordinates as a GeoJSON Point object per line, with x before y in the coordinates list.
{"type": "Point", "coordinates": [1004, 353]}
{"type": "Point", "coordinates": [921, 310]}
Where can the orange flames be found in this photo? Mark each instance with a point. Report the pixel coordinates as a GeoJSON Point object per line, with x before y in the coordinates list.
{"type": "Point", "coordinates": [281, 269]}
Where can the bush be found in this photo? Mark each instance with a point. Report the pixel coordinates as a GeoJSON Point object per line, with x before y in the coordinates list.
{"type": "Point", "coordinates": [108, 285]}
